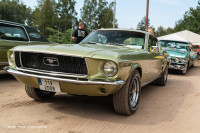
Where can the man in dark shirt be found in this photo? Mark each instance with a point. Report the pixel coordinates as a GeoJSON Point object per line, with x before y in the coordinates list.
{"type": "Point", "coordinates": [80, 33]}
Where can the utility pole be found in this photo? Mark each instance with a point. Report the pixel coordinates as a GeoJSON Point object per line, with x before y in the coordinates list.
{"type": "Point", "coordinates": [147, 16]}
{"type": "Point", "coordinates": [114, 13]}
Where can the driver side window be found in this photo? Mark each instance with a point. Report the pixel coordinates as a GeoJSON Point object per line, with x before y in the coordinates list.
{"type": "Point", "coordinates": [153, 44]}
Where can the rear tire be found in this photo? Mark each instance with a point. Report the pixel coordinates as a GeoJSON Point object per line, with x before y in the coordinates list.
{"type": "Point", "coordinates": [127, 99]}
{"type": "Point", "coordinates": [38, 94]}
{"type": "Point", "coordinates": [163, 79]}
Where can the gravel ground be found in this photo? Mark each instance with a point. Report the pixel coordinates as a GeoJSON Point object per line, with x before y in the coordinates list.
{"type": "Point", "coordinates": [174, 108]}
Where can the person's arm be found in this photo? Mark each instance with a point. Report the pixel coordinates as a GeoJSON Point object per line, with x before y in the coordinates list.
{"type": "Point", "coordinates": [86, 33]}
{"type": "Point", "coordinates": [75, 34]}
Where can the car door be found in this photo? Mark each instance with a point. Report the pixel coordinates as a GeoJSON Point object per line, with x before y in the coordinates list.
{"type": "Point", "coordinates": [10, 36]}
{"type": "Point", "coordinates": [156, 58]}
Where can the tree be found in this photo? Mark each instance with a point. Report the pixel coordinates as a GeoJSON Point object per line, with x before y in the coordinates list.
{"type": "Point", "coordinates": [13, 10]}
{"type": "Point", "coordinates": [45, 15]}
{"type": "Point", "coordinates": [67, 14]}
{"type": "Point", "coordinates": [60, 37]}
{"type": "Point", "coordinates": [142, 23]}
{"type": "Point", "coordinates": [105, 15]}
{"type": "Point", "coordinates": [161, 31]}
{"type": "Point", "coordinates": [190, 20]}
{"type": "Point", "coordinates": [96, 14]}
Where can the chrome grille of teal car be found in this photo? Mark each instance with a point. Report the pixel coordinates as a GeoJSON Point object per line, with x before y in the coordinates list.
{"type": "Point", "coordinates": [51, 63]}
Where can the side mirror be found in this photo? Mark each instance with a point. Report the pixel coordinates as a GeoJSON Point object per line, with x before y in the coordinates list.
{"type": "Point", "coordinates": [154, 49]}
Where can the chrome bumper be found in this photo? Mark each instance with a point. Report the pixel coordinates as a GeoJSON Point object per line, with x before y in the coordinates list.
{"type": "Point", "coordinates": [2, 72]}
{"type": "Point", "coordinates": [75, 81]}
{"type": "Point", "coordinates": [177, 67]}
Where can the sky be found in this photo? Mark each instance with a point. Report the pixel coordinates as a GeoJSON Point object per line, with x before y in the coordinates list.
{"type": "Point", "coordinates": [129, 12]}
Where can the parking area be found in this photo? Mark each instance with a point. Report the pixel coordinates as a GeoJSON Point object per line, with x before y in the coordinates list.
{"type": "Point", "coordinates": [173, 108]}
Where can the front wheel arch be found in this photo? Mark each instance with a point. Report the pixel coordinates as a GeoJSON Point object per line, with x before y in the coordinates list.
{"type": "Point", "coordinates": [136, 67]}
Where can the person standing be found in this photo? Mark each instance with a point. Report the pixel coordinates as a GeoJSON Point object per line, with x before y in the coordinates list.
{"type": "Point", "coordinates": [80, 33]}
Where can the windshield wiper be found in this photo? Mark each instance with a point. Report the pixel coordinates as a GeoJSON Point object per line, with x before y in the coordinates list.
{"type": "Point", "coordinates": [118, 44]}
{"type": "Point", "coordinates": [89, 43]}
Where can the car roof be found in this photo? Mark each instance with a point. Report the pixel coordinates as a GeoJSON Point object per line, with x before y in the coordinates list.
{"type": "Point", "coordinates": [118, 29]}
{"type": "Point", "coordinates": [13, 23]}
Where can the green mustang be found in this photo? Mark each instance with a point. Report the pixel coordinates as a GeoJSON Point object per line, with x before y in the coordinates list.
{"type": "Point", "coordinates": [14, 34]}
{"type": "Point", "coordinates": [180, 55]}
{"type": "Point", "coordinates": [107, 62]}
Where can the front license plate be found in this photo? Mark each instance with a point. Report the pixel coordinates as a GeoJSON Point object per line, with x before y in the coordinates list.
{"type": "Point", "coordinates": [49, 85]}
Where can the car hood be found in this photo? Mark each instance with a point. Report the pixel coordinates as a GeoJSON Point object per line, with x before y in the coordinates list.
{"type": "Point", "coordinates": [84, 50]}
{"type": "Point", "coordinates": [176, 53]}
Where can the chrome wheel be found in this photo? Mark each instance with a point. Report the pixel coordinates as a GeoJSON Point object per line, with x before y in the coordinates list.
{"type": "Point", "coordinates": [134, 92]}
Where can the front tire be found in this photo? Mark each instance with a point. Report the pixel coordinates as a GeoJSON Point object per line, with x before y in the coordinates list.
{"type": "Point", "coordinates": [163, 79]}
{"type": "Point", "coordinates": [127, 99]}
{"type": "Point", "coordinates": [38, 94]}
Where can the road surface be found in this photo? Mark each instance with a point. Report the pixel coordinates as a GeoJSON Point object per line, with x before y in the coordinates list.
{"type": "Point", "coordinates": [174, 108]}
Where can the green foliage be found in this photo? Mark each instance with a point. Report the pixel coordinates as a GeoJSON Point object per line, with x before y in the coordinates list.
{"type": "Point", "coordinates": [142, 23]}
{"type": "Point", "coordinates": [60, 37]}
{"type": "Point", "coordinates": [67, 14]}
{"type": "Point", "coordinates": [161, 31]}
{"type": "Point", "coordinates": [13, 10]}
{"type": "Point", "coordinates": [97, 14]}
{"type": "Point", "coordinates": [45, 16]}
{"type": "Point", "coordinates": [190, 20]}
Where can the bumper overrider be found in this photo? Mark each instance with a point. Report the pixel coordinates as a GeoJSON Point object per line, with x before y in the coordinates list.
{"type": "Point", "coordinates": [75, 86]}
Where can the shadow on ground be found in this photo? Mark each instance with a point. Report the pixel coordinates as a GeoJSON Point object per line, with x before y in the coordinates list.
{"type": "Point", "coordinates": [158, 104]}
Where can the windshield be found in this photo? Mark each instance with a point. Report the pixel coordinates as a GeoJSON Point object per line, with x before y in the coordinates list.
{"type": "Point", "coordinates": [182, 46]}
{"type": "Point", "coordinates": [114, 37]}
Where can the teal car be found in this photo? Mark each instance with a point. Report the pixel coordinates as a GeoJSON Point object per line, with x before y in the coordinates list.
{"type": "Point", "coordinates": [180, 55]}
{"type": "Point", "coordinates": [15, 34]}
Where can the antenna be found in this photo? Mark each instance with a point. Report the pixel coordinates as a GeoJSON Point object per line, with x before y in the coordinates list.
{"type": "Point", "coordinates": [114, 13]}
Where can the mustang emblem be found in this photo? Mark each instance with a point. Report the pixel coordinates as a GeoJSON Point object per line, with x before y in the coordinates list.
{"type": "Point", "coordinates": [51, 61]}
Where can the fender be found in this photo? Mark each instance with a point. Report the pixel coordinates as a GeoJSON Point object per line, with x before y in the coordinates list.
{"type": "Point", "coordinates": [136, 66]}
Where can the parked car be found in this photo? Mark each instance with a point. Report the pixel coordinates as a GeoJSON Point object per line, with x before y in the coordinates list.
{"type": "Point", "coordinates": [107, 62]}
{"type": "Point", "coordinates": [14, 34]}
{"type": "Point", "coordinates": [181, 55]}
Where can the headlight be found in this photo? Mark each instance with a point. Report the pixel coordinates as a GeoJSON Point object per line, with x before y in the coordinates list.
{"type": "Point", "coordinates": [110, 69]}
{"type": "Point", "coordinates": [12, 58]}
{"type": "Point", "coordinates": [183, 60]}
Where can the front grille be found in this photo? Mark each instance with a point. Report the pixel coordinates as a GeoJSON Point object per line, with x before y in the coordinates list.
{"type": "Point", "coordinates": [51, 63]}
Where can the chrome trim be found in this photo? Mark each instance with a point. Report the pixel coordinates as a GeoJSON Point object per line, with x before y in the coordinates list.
{"type": "Point", "coordinates": [178, 67]}
{"type": "Point", "coordinates": [88, 82]}
{"type": "Point", "coordinates": [20, 58]}
{"type": "Point", "coordinates": [52, 62]}
{"type": "Point", "coordinates": [52, 73]}
{"type": "Point", "coordinates": [4, 63]}
{"type": "Point", "coordinates": [21, 27]}
{"type": "Point", "coordinates": [145, 84]}
{"type": "Point", "coordinates": [47, 52]}
{"type": "Point", "coordinates": [2, 72]}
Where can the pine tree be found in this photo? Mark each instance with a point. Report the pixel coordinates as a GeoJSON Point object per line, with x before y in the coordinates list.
{"type": "Point", "coordinates": [13, 10]}
{"type": "Point", "coordinates": [67, 14]}
{"type": "Point", "coordinates": [97, 14]}
{"type": "Point", "coordinates": [45, 16]}
{"type": "Point", "coordinates": [142, 23]}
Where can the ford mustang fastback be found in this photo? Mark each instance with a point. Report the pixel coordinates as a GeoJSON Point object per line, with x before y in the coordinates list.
{"type": "Point", "coordinates": [14, 34]}
{"type": "Point", "coordinates": [107, 62]}
{"type": "Point", "coordinates": [180, 55]}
